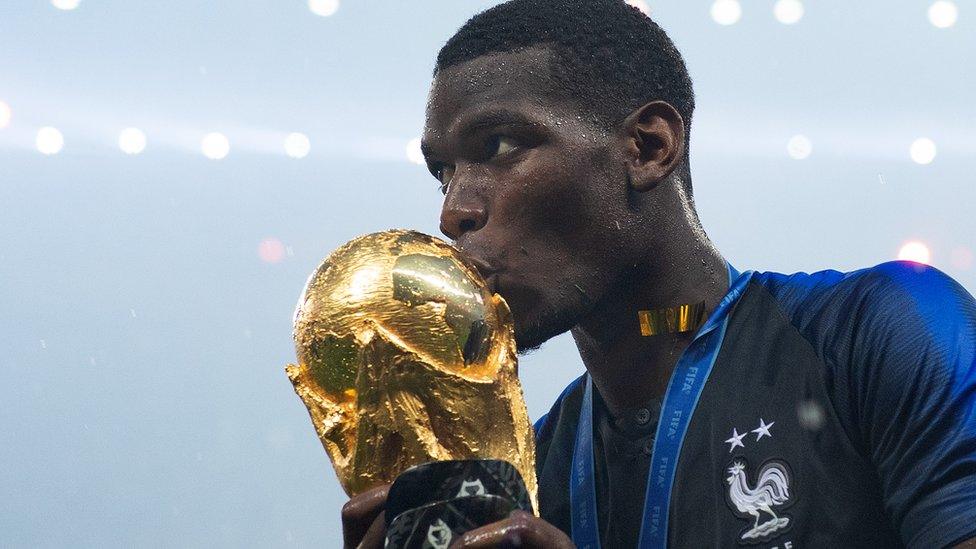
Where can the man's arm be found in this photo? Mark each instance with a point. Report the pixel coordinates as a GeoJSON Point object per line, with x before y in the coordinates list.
{"type": "Point", "coordinates": [912, 376]}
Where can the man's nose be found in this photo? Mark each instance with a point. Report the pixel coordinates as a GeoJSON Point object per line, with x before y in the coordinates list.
{"type": "Point", "coordinates": [458, 219]}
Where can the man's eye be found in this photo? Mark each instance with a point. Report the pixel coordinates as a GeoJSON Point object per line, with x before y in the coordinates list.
{"type": "Point", "coordinates": [501, 145]}
{"type": "Point", "coordinates": [444, 175]}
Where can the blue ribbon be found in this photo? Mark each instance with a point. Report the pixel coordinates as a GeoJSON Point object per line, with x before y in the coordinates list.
{"type": "Point", "coordinates": [684, 389]}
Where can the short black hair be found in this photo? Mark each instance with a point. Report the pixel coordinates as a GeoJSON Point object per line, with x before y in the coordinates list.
{"type": "Point", "coordinates": [611, 57]}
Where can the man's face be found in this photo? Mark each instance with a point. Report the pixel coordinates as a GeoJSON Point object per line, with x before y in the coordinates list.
{"type": "Point", "coordinates": [535, 190]}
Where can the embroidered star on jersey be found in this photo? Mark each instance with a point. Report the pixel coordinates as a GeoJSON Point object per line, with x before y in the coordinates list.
{"type": "Point", "coordinates": [736, 440]}
{"type": "Point", "coordinates": [763, 430]}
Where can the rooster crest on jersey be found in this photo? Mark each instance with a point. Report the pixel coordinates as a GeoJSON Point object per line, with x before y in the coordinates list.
{"type": "Point", "coordinates": [770, 491]}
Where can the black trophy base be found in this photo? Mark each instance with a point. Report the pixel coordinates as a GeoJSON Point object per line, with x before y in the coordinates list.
{"type": "Point", "coordinates": [431, 505]}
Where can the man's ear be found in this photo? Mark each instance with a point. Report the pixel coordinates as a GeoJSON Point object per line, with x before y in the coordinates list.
{"type": "Point", "coordinates": [654, 138]}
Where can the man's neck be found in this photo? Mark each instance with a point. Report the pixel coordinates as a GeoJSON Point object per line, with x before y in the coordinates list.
{"type": "Point", "coordinates": [627, 368]}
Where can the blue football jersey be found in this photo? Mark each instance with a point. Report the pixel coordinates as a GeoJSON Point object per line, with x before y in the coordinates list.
{"type": "Point", "coordinates": [840, 412]}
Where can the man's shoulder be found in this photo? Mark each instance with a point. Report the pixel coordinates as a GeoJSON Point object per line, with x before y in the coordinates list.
{"type": "Point", "coordinates": [798, 290]}
{"type": "Point", "coordinates": [896, 295]}
{"type": "Point", "coordinates": [896, 333]}
{"type": "Point", "coordinates": [546, 425]}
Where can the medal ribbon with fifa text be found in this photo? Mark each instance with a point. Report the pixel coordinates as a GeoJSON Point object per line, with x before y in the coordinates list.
{"type": "Point", "coordinates": [684, 389]}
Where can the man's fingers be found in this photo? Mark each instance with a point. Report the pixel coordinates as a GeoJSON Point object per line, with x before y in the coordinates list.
{"type": "Point", "coordinates": [360, 512]}
{"type": "Point", "coordinates": [376, 535]}
{"type": "Point", "coordinates": [521, 529]}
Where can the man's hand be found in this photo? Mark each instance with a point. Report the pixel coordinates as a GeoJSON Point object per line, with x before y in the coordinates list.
{"type": "Point", "coordinates": [520, 529]}
{"type": "Point", "coordinates": [364, 519]}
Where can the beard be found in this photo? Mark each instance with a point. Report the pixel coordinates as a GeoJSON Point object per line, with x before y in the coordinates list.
{"type": "Point", "coordinates": [532, 332]}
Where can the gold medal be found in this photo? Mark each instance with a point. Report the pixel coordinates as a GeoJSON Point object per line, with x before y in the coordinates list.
{"type": "Point", "coordinates": [671, 320]}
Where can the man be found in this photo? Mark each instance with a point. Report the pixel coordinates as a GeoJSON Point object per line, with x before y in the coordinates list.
{"type": "Point", "coordinates": [821, 410]}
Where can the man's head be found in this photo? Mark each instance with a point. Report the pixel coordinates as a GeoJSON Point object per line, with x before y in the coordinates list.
{"type": "Point", "coordinates": [559, 132]}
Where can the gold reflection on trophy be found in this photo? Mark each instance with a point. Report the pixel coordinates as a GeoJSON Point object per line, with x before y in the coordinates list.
{"type": "Point", "coordinates": [405, 357]}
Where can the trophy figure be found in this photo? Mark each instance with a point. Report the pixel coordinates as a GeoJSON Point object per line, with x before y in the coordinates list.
{"type": "Point", "coordinates": [407, 365]}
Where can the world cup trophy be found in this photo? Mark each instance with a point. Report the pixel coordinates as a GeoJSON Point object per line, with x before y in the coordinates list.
{"type": "Point", "coordinates": [407, 365]}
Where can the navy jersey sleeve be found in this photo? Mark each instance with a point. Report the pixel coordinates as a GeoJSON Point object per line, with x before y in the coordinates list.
{"type": "Point", "coordinates": [911, 377]}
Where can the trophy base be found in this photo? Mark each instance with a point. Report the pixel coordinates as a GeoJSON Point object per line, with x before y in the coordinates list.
{"type": "Point", "coordinates": [430, 505]}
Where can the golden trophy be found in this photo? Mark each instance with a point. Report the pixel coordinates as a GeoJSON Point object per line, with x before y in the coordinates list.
{"type": "Point", "coordinates": [405, 357]}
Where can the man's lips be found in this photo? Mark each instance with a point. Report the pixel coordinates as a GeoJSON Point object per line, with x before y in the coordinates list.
{"type": "Point", "coordinates": [483, 267]}
{"type": "Point", "coordinates": [487, 272]}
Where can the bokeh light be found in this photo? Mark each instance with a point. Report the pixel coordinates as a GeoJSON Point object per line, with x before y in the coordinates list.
{"type": "Point", "coordinates": [962, 258]}
{"type": "Point", "coordinates": [726, 12]}
{"type": "Point", "coordinates": [65, 4]}
{"type": "Point", "coordinates": [297, 145]}
{"type": "Point", "coordinates": [5, 115]}
{"type": "Point", "coordinates": [132, 141]}
{"type": "Point", "coordinates": [215, 146]}
{"type": "Point", "coordinates": [799, 147]}
{"type": "Point", "coordinates": [641, 5]}
{"type": "Point", "coordinates": [271, 250]}
{"type": "Point", "coordinates": [915, 251]}
{"type": "Point", "coordinates": [788, 12]}
{"type": "Point", "coordinates": [49, 140]}
{"type": "Point", "coordinates": [414, 154]}
{"type": "Point", "coordinates": [810, 414]}
{"type": "Point", "coordinates": [324, 8]}
{"type": "Point", "coordinates": [922, 151]}
{"type": "Point", "coordinates": [943, 14]}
